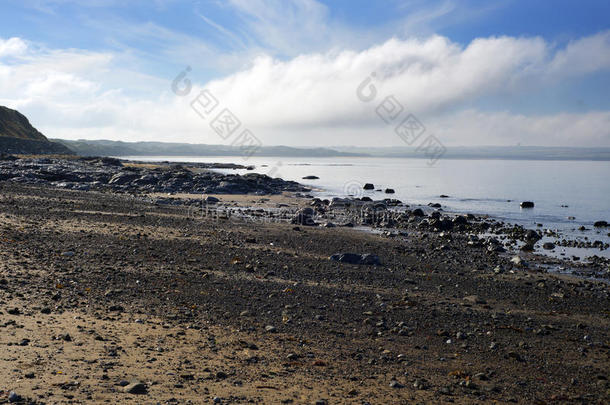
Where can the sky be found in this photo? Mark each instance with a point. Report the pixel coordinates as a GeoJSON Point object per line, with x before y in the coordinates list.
{"type": "Point", "coordinates": [311, 72]}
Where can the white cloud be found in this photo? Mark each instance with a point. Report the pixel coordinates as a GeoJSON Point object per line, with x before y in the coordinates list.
{"type": "Point", "coordinates": [311, 99]}
{"type": "Point", "coordinates": [12, 47]}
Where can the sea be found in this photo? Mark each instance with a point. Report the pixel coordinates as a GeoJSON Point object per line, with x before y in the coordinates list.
{"type": "Point", "coordinates": [567, 194]}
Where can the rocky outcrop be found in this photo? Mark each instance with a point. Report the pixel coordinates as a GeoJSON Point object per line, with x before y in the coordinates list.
{"type": "Point", "coordinates": [18, 136]}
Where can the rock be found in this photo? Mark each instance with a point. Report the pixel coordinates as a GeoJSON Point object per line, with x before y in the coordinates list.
{"type": "Point", "coordinates": [420, 384]}
{"type": "Point", "coordinates": [211, 200]}
{"type": "Point", "coordinates": [270, 329]}
{"type": "Point", "coordinates": [517, 261]}
{"type": "Point", "coordinates": [527, 204]}
{"type": "Point", "coordinates": [528, 247]}
{"type": "Point", "coordinates": [418, 212]}
{"type": "Point", "coordinates": [369, 186]}
{"type": "Point", "coordinates": [329, 225]}
{"type": "Point", "coordinates": [443, 196]}
{"type": "Point", "coordinates": [14, 397]}
{"type": "Point", "coordinates": [389, 191]}
{"type": "Point", "coordinates": [548, 246]}
{"type": "Point", "coordinates": [120, 179]}
{"type": "Point", "coordinates": [354, 258]}
{"type": "Point", "coordinates": [67, 254]}
{"type": "Point", "coordinates": [136, 387]}
{"type": "Point", "coordinates": [14, 311]}
{"type": "Point", "coordinates": [460, 220]}
{"type": "Point", "coordinates": [600, 224]}
{"type": "Point", "coordinates": [350, 258]}
{"type": "Point", "coordinates": [310, 178]}
{"type": "Point", "coordinates": [370, 260]}
{"type": "Point", "coordinates": [304, 216]}
{"type": "Point", "coordinates": [532, 235]}
{"type": "Point", "coordinates": [395, 384]}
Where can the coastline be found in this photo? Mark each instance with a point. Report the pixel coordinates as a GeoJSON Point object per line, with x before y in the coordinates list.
{"type": "Point", "coordinates": [229, 301]}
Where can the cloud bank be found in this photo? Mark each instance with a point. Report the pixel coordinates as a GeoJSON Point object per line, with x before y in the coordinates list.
{"type": "Point", "coordinates": [311, 99]}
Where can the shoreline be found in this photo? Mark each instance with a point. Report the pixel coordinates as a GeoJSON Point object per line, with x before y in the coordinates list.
{"type": "Point", "coordinates": [106, 290]}
{"type": "Point", "coordinates": [389, 216]}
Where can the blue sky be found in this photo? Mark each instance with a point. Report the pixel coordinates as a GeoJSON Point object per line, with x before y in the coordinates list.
{"type": "Point", "coordinates": [477, 72]}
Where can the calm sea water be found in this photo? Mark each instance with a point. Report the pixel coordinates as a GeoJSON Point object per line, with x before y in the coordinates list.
{"type": "Point", "coordinates": [560, 189]}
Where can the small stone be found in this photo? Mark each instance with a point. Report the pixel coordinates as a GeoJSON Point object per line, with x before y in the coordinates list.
{"type": "Point", "coordinates": [548, 246]}
{"type": "Point", "coordinates": [420, 384]}
{"type": "Point", "coordinates": [136, 387]}
{"type": "Point", "coordinates": [14, 397]}
{"type": "Point", "coordinates": [14, 311]}
{"type": "Point", "coordinates": [395, 384]}
{"type": "Point", "coordinates": [270, 329]}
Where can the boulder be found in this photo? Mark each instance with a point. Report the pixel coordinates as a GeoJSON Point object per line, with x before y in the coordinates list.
{"type": "Point", "coordinates": [389, 191]}
{"type": "Point", "coordinates": [600, 224]}
{"type": "Point", "coordinates": [369, 186]}
{"type": "Point", "coordinates": [527, 204]}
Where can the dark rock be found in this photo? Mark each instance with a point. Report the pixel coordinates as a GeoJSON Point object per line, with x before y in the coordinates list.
{"type": "Point", "coordinates": [304, 216]}
{"type": "Point", "coordinates": [211, 200]}
{"type": "Point", "coordinates": [389, 191]}
{"type": "Point", "coordinates": [123, 178]}
{"type": "Point", "coordinates": [369, 186]}
{"type": "Point", "coordinates": [310, 178]}
{"type": "Point", "coordinates": [14, 311]}
{"type": "Point", "coordinates": [353, 258]}
{"type": "Point", "coordinates": [532, 235]}
{"type": "Point", "coordinates": [528, 247]}
{"type": "Point", "coordinates": [14, 397]}
{"type": "Point", "coordinates": [600, 224]}
{"type": "Point", "coordinates": [548, 246]}
{"type": "Point", "coordinates": [527, 204]}
{"type": "Point", "coordinates": [370, 260]}
{"type": "Point", "coordinates": [418, 212]}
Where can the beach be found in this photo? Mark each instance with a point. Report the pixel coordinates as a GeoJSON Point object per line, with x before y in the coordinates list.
{"type": "Point", "coordinates": [115, 297]}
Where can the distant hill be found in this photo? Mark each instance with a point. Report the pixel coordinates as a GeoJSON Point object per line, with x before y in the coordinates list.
{"type": "Point", "coordinates": [18, 136]}
{"type": "Point", "coordinates": [118, 148]}
{"type": "Point", "coordinates": [491, 152]}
